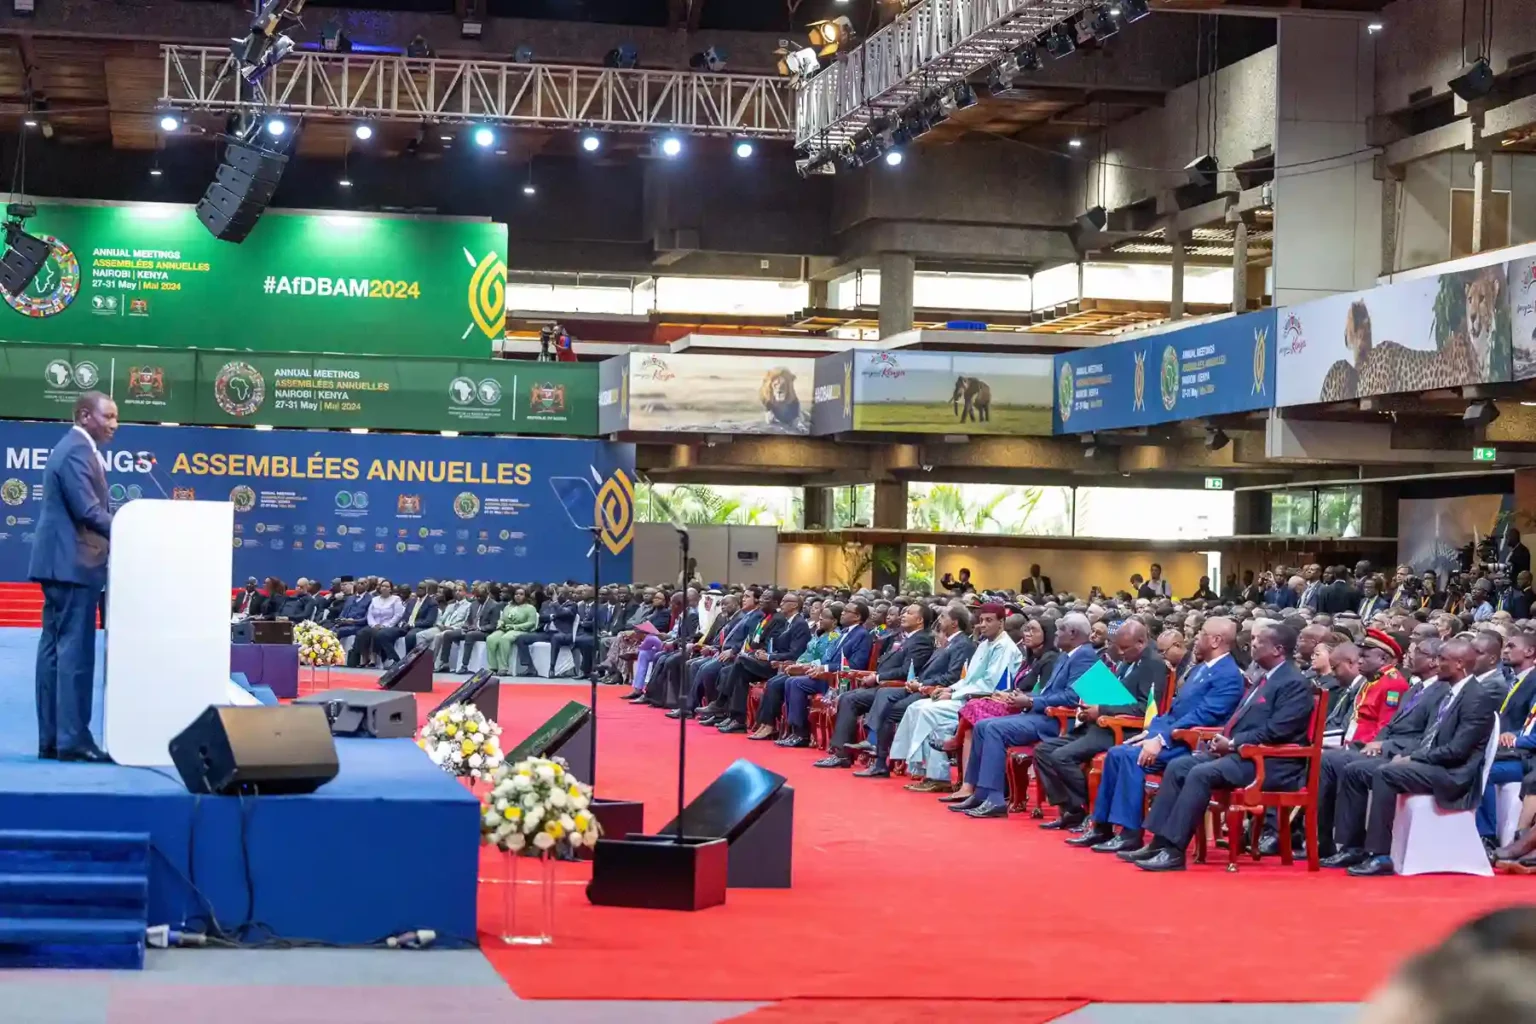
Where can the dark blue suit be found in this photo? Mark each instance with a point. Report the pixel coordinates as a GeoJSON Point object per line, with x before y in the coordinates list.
{"type": "Point", "coordinates": [853, 645]}
{"type": "Point", "coordinates": [69, 558]}
{"type": "Point", "coordinates": [1207, 698]}
{"type": "Point", "coordinates": [706, 679]}
{"type": "Point", "coordinates": [1276, 711]}
{"type": "Point", "coordinates": [988, 765]}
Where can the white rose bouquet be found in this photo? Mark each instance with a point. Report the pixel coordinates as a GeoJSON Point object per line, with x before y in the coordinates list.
{"type": "Point", "coordinates": [462, 741]}
{"type": "Point", "coordinates": [537, 806]}
{"type": "Point", "coordinates": [317, 645]}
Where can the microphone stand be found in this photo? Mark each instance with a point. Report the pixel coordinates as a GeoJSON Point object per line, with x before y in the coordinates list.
{"type": "Point", "coordinates": [597, 537]}
{"type": "Point", "coordinates": [682, 720]}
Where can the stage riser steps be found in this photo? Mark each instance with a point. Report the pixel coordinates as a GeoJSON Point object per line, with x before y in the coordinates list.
{"type": "Point", "coordinates": [73, 899]}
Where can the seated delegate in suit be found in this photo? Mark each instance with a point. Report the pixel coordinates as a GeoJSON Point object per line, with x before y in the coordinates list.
{"type": "Point", "coordinates": [703, 684]}
{"type": "Point", "coordinates": [1275, 710]}
{"type": "Point", "coordinates": [269, 603]}
{"type": "Point", "coordinates": [1037, 643]}
{"type": "Point", "coordinates": [1517, 743]}
{"type": "Point", "coordinates": [300, 606]}
{"type": "Point", "coordinates": [557, 627]}
{"type": "Point", "coordinates": [452, 609]}
{"type": "Point", "coordinates": [852, 649]}
{"type": "Point", "coordinates": [384, 611]}
{"type": "Point", "coordinates": [420, 612]}
{"type": "Point", "coordinates": [584, 640]}
{"type": "Point", "coordinates": [1399, 737]}
{"type": "Point", "coordinates": [1206, 697]}
{"type": "Point", "coordinates": [1447, 763]}
{"type": "Point", "coordinates": [629, 638]}
{"type": "Point", "coordinates": [244, 603]}
{"type": "Point", "coordinates": [354, 610]}
{"type": "Point", "coordinates": [682, 621]}
{"type": "Point", "coordinates": [675, 668]}
{"type": "Point", "coordinates": [995, 660]}
{"type": "Point", "coordinates": [467, 619]}
{"type": "Point", "coordinates": [852, 638]}
{"type": "Point", "coordinates": [1035, 584]}
{"type": "Point", "coordinates": [662, 686]}
{"type": "Point", "coordinates": [1059, 760]}
{"type": "Point", "coordinates": [953, 652]}
{"type": "Point", "coordinates": [986, 770]}
{"type": "Point", "coordinates": [785, 636]}
{"type": "Point", "coordinates": [482, 623]}
{"type": "Point", "coordinates": [517, 618]}
{"type": "Point", "coordinates": [902, 659]}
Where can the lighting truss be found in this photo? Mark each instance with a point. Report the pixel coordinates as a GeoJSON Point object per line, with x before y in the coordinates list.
{"type": "Point", "coordinates": [381, 87]}
{"type": "Point", "coordinates": [933, 45]}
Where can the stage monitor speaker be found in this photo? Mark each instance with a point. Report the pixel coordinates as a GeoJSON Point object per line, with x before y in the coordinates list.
{"type": "Point", "coordinates": [382, 715]}
{"type": "Point", "coordinates": [411, 674]}
{"type": "Point", "coordinates": [240, 632]}
{"type": "Point", "coordinates": [229, 750]}
{"type": "Point", "coordinates": [566, 735]}
{"type": "Point", "coordinates": [482, 689]}
{"type": "Point", "coordinates": [752, 809]}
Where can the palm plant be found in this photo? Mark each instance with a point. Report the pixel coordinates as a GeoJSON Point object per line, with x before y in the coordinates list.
{"type": "Point", "coordinates": [695, 505]}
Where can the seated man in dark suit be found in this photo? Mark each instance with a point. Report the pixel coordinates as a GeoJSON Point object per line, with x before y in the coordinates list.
{"type": "Point", "coordinates": [420, 613]}
{"type": "Point", "coordinates": [1059, 760]}
{"type": "Point", "coordinates": [854, 648]}
{"type": "Point", "coordinates": [1517, 743]}
{"type": "Point", "coordinates": [299, 606]}
{"type": "Point", "coordinates": [1277, 710]}
{"type": "Point", "coordinates": [674, 669]}
{"type": "Point", "coordinates": [482, 623]}
{"type": "Point", "coordinates": [1035, 584]}
{"type": "Point", "coordinates": [557, 624]}
{"type": "Point", "coordinates": [901, 661]}
{"type": "Point", "coordinates": [1448, 763]}
{"type": "Point", "coordinates": [245, 602]}
{"type": "Point", "coordinates": [699, 685]}
{"type": "Point", "coordinates": [785, 637]}
{"type": "Point", "coordinates": [726, 711]}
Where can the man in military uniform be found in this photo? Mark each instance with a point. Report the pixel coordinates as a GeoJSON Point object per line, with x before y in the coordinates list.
{"type": "Point", "coordinates": [1382, 694]}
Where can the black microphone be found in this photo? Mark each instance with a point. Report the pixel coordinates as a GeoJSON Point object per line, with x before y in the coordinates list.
{"type": "Point", "coordinates": [153, 462]}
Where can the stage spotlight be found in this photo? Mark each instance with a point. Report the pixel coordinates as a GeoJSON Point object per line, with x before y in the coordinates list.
{"type": "Point", "coordinates": [625, 56]}
{"type": "Point", "coordinates": [169, 122]}
{"type": "Point", "coordinates": [1216, 439]}
{"type": "Point", "coordinates": [893, 158]}
{"type": "Point", "coordinates": [1028, 57]}
{"type": "Point", "coordinates": [276, 126]}
{"type": "Point", "coordinates": [344, 182]}
{"type": "Point", "coordinates": [831, 35]}
{"type": "Point", "coordinates": [155, 172]}
{"type": "Point", "coordinates": [1373, 27]}
{"type": "Point", "coordinates": [671, 146]}
{"type": "Point", "coordinates": [591, 143]}
{"type": "Point", "coordinates": [529, 189]}
{"type": "Point", "coordinates": [1097, 24]}
{"type": "Point", "coordinates": [1060, 42]}
{"type": "Point", "coordinates": [965, 96]}
{"type": "Point", "coordinates": [797, 64]}
{"type": "Point", "coordinates": [484, 137]}
{"type": "Point", "coordinates": [743, 150]}
{"type": "Point", "coordinates": [363, 132]}
{"type": "Point", "coordinates": [1075, 143]}
{"type": "Point", "coordinates": [1133, 10]}
{"type": "Point", "coordinates": [1475, 82]}
{"type": "Point", "coordinates": [712, 59]}
{"type": "Point", "coordinates": [523, 55]}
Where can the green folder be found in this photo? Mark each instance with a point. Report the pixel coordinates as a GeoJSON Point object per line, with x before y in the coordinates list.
{"type": "Point", "coordinates": [1100, 686]}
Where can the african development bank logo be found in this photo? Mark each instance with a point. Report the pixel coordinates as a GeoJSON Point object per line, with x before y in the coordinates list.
{"type": "Point", "coordinates": [13, 491]}
{"type": "Point", "coordinates": [466, 505]}
{"type": "Point", "coordinates": [615, 510]}
{"type": "Point", "coordinates": [1064, 391]}
{"type": "Point", "coordinates": [487, 295]}
{"type": "Point", "coordinates": [54, 287]}
{"type": "Point", "coordinates": [1168, 378]}
{"type": "Point", "coordinates": [239, 388]}
{"type": "Point", "coordinates": [1260, 352]}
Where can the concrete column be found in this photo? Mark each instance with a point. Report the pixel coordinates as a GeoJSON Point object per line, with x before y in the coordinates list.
{"type": "Point", "coordinates": [1240, 267]}
{"type": "Point", "coordinates": [1378, 510]}
{"type": "Point", "coordinates": [1328, 212]}
{"type": "Point", "coordinates": [896, 272]}
{"type": "Point", "coordinates": [1482, 193]}
{"type": "Point", "coordinates": [1178, 240]}
{"type": "Point", "coordinates": [818, 507]}
{"type": "Point", "coordinates": [1251, 513]}
{"type": "Point", "coordinates": [891, 504]}
{"type": "Point", "coordinates": [818, 294]}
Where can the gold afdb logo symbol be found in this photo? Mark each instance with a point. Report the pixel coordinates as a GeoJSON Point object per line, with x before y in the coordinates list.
{"type": "Point", "coordinates": [616, 511]}
{"type": "Point", "coordinates": [1139, 401]}
{"type": "Point", "coordinates": [487, 295]}
{"type": "Point", "coordinates": [848, 386]}
{"type": "Point", "coordinates": [1260, 354]}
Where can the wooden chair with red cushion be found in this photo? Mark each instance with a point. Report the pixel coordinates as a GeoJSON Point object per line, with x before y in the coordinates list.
{"type": "Point", "coordinates": [1254, 801]}
{"type": "Point", "coordinates": [1124, 725]}
{"type": "Point", "coordinates": [823, 712]}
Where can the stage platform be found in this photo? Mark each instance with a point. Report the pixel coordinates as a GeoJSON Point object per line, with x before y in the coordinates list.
{"type": "Point", "coordinates": [390, 845]}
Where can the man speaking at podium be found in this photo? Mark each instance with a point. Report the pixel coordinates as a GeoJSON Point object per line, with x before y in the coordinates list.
{"type": "Point", "coordinates": [69, 558]}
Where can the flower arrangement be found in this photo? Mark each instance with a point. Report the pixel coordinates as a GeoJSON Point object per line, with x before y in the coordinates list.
{"type": "Point", "coordinates": [537, 806]}
{"type": "Point", "coordinates": [317, 645]}
{"type": "Point", "coordinates": [462, 741]}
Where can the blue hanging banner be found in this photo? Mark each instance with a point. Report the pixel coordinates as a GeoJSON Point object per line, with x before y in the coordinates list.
{"type": "Point", "coordinates": [322, 505]}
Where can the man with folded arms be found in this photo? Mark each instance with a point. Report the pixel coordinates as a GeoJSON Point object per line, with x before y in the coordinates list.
{"type": "Point", "coordinates": [987, 769]}
{"type": "Point", "coordinates": [944, 669]}
{"type": "Point", "coordinates": [1059, 761]}
{"type": "Point", "coordinates": [903, 659]}
{"type": "Point", "coordinates": [995, 658]}
{"type": "Point", "coordinates": [1275, 711]}
{"type": "Point", "coordinates": [1402, 735]}
{"type": "Point", "coordinates": [1448, 761]}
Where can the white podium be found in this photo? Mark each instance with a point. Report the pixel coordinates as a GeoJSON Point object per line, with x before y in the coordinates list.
{"type": "Point", "coordinates": [167, 623]}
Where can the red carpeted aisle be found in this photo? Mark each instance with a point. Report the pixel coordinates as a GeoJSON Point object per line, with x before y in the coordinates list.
{"type": "Point", "coordinates": [895, 898]}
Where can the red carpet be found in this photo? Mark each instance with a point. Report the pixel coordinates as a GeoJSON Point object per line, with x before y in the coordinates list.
{"type": "Point", "coordinates": [894, 898]}
{"type": "Point", "coordinates": [909, 1011]}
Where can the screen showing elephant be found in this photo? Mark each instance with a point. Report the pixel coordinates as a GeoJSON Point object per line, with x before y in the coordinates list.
{"type": "Point", "coordinates": [952, 393]}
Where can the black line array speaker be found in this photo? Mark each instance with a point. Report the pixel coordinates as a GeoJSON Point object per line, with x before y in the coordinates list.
{"type": "Point", "coordinates": [282, 749]}
{"type": "Point", "coordinates": [241, 190]}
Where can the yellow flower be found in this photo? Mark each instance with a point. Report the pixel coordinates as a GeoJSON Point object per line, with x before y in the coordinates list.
{"type": "Point", "coordinates": [574, 791]}
{"type": "Point", "coordinates": [471, 726]}
{"type": "Point", "coordinates": [581, 821]}
{"type": "Point", "coordinates": [513, 813]}
{"type": "Point", "coordinates": [554, 830]}
{"type": "Point", "coordinates": [468, 746]}
{"type": "Point", "coordinates": [452, 730]}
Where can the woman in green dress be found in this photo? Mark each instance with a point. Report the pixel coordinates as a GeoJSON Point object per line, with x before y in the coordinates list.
{"type": "Point", "coordinates": [517, 618]}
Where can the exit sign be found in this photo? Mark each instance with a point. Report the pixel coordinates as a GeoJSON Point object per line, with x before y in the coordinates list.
{"type": "Point", "coordinates": [1478, 455]}
{"type": "Point", "coordinates": [1213, 483]}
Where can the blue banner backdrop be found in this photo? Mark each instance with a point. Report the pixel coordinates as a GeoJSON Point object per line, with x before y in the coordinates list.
{"type": "Point", "coordinates": [1205, 370]}
{"type": "Point", "coordinates": [323, 505]}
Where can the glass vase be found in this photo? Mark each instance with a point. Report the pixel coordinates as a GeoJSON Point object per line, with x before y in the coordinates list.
{"type": "Point", "coordinates": [528, 900]}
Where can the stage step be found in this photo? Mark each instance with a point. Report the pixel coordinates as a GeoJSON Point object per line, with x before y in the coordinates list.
{"type": "Point", "coordinates": [73, 899]}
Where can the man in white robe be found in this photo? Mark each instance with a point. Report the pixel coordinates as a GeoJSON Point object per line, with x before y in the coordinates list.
{"type": "Point", "coordinates": [995, 658]}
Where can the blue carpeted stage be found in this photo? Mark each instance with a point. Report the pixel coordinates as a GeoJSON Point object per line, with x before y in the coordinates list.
{"type": "Point", "coordinates": [390, 845]}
